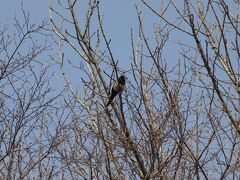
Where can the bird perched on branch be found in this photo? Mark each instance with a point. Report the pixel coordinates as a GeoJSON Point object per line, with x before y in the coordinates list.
{"type": "Point", "coordinates": [117, 88]}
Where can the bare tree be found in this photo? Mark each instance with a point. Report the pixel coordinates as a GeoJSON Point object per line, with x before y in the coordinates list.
{"type": "Point", "coordinates": [172, 122]}
{"type": "Point", "coordinates": [28, 133]}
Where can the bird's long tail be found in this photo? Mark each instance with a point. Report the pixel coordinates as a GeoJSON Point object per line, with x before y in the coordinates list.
{"type": "Point", "coordinates": [113, 94]}
{"type": "Point", "coordinates": [110, 100]}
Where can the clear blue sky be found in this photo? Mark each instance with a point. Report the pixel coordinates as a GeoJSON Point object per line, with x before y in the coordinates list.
{"type": "Point", "coordinates": [37, 9]}
{"type": "Point", "coordinates": [119, 17]}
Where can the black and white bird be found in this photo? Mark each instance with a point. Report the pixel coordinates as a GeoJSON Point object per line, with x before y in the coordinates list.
{"type": "Point", "coordinates": [117, 88]}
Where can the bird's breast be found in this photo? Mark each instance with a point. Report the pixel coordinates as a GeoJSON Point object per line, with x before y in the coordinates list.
{"type": "Point", "coordinates": [119, 87]}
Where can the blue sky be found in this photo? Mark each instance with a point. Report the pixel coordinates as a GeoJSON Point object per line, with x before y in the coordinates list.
{"type": "Point", "coordinates": [119, 18]}
{"type": "Point", "coordinates": [37, 9]}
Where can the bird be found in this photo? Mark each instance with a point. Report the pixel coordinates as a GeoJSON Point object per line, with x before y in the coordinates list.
{"type": "Point", "coordinates": [117, 88]}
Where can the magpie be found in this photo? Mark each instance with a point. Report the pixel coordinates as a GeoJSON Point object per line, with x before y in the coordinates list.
{"type": "Point", "coordinates": [117, 88]}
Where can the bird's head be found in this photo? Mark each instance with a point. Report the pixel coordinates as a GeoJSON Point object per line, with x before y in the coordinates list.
{"type": "Point", "coordinates": [122, 79]}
